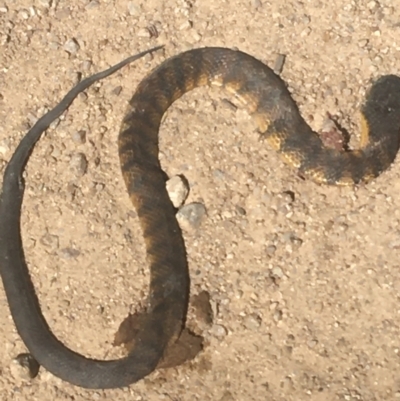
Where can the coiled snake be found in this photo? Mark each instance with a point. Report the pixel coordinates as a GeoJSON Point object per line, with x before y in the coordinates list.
{"type": "Point", "coordinates": [265, 97]}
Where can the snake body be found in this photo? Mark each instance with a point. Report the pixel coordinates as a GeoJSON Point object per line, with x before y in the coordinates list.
{"type": "Point", "coordinates": [266, 97]}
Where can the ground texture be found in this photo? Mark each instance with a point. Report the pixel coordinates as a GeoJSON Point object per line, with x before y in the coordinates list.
{"type": "Point", "coordinates": [303, 279]}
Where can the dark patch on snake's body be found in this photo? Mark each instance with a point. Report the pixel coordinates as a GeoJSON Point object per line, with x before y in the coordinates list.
{"type": "Point", "coordinates": [266, 97]}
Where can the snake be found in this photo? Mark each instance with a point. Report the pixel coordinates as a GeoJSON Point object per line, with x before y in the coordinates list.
{"type": "Point", "coordinates": [267, 98]}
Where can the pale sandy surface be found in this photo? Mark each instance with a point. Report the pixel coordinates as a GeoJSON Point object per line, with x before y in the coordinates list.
{"type": "Point", "coordinates": [307, 292]}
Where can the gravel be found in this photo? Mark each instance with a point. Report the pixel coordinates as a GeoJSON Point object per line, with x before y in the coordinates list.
{"type": "Point", "coordinates": [305, 278]}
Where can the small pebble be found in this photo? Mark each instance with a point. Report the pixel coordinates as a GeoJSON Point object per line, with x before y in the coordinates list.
{"type": "Point", "coordinates": [347, 92]}
{"type": "Point", "coordinates": [240, 210]}
{"type": "Point", "coordinates": [78, 164]}
{"type": "Point", "coordinates": [252, 322]}
{"type": "Point", "coordinates": [50, 241]}
{"type": "Point", "coordinates": [25, 367]}
{"type": "Point", "coordinates": [71, 46]}
{"type": "Point", "coordinates": [4, 148]}
{"type": "Point", "coordinates": [190, 216]}
{"type": "Point", "coordinates": [63, 13]}
{"type": "Point", "coordinates": [79, 136]}
{"type": "Point", "coordinates": [178, 190]}
{"type": "Point", "coordinates": [196, 36]}
{"type": "Point", "coordinates": [218, 173]}
{"type": "Point", "coordinates": [71, 191]}
{"type": "Point", "coordinates": [219, 331]}
{"type": "Point", "coordinates": [278, 315]}
{"type": "Point", "coordinates": [55, 123]}
{"type": "Point", "coordinates": [4, 39]}
{"type": "Point", "coordinates": [133, 9]}
{"type": "Point", "coordinates": [24, 14]}
{"type": "Point", "coordinates": [93, 4]}
{"type": "Point", "coordinates": [277, 272]}
{"type": "Point", "coordinates": [45, 3]}
{"type": "Point", "coordinates": [288, 196]}
{"type": "Point", "coordinates": [83, 96]}
{"type": "Point", "coordinates": [256, 4]}
{"type": "Point", "coordinates": [69, 253]}
{"type": "Point", "coordinates": [55, 152]}
{"type": "Point", "coordinates": [144, 33]}
{"type": "Point", "coordinates": [279, 63]}
{"type": "Point", "coordinates": [184, 26]}
{"type": "Point", "coordinates": [86, 65]}
{"type": "Point", "coordinates": [270, 250]}
{"type": "Point", "coordinates": [287, 384]}
{"type": "Point", "coordinates": [296, 241]}
{"type": "Point", "coordinates": [117, 90]}
{"type": "Point", "coordinates": [54, 45]}
{"type": "Point", "coordinates": [99, 187]}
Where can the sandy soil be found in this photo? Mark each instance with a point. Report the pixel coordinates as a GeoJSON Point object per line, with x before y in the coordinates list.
{"type": "Point", "coordinates": [306, 291]}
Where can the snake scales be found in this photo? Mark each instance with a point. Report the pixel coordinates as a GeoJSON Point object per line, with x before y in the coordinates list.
{"type": "Point", "coordinates": [265, 97]}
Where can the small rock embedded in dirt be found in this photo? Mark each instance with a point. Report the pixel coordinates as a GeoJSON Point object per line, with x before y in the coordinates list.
{"type": "Point", "coordinates": [252, 322]}
{"type": "Point", "coordinates": [190, 216]}
{"type": "Point", "coordinates": [291, 239]}
{"type": "Point", "coordinates": [82, 96]}
{"type": "Point", "coordinates": [277, 272]}
{"type": "Point", "coordinates": [219, 331]}
{"type": "Point", "coordinates": [78, 164]}
{"type": "Point", "coordinates": [4, 148]}
{"type": "Point", "coordinates": [117, 90]}
{"type": "Point", "coordinates": [71, 46]}
{"type": "Point", "coordinates": [241, 211]}
{"type": "Point", "coordinates": [133, 9]}
{"type": "Point", "coordinates": [23, 14]}
{"type": "Point", "coordinates": [178, 190]}
{"type": "Point", "coordinates": [25, 367]}
{"type": "Point", "coordinates": [69, 253]}
{"type": "Point", "coordinates": [289, 196]}
{"type": "Point", "coordinates": [279, 63]}
{"type": "Point", "coordinates": [270, 250]}
{"type": "Point", "coordinates": [32, 119]}
{"type": "Point", "coordinates": [93, 4]}
{"type": "Point", "coordinates": [297, 242]}
{"type": "Point", "coordinates": [144, 33]}
{"type": "Point", "coordinates": [45, 3]}
{"type": "Point", "coordinates": [50, 241]}
{"type": "Point", "coordinates": [79, 136]}
{"type": "Point", "coordinates": [86, 65]}
{"type": "Point", "coordinates": [278, 315]}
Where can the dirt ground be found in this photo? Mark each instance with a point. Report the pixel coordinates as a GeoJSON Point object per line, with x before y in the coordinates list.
{"type": "Point", "coordinates": [304, 279]}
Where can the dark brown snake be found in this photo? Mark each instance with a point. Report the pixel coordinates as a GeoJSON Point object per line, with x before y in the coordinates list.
{"type": "Point", "coordinates": [265, 97]}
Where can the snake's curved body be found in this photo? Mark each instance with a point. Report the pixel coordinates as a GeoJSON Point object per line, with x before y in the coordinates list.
{"type": "Point", "coordinates": [265, 97]}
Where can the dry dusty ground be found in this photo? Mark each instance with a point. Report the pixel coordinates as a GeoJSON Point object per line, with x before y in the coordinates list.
{"type": "Point", "coordinates": [306, 291]}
